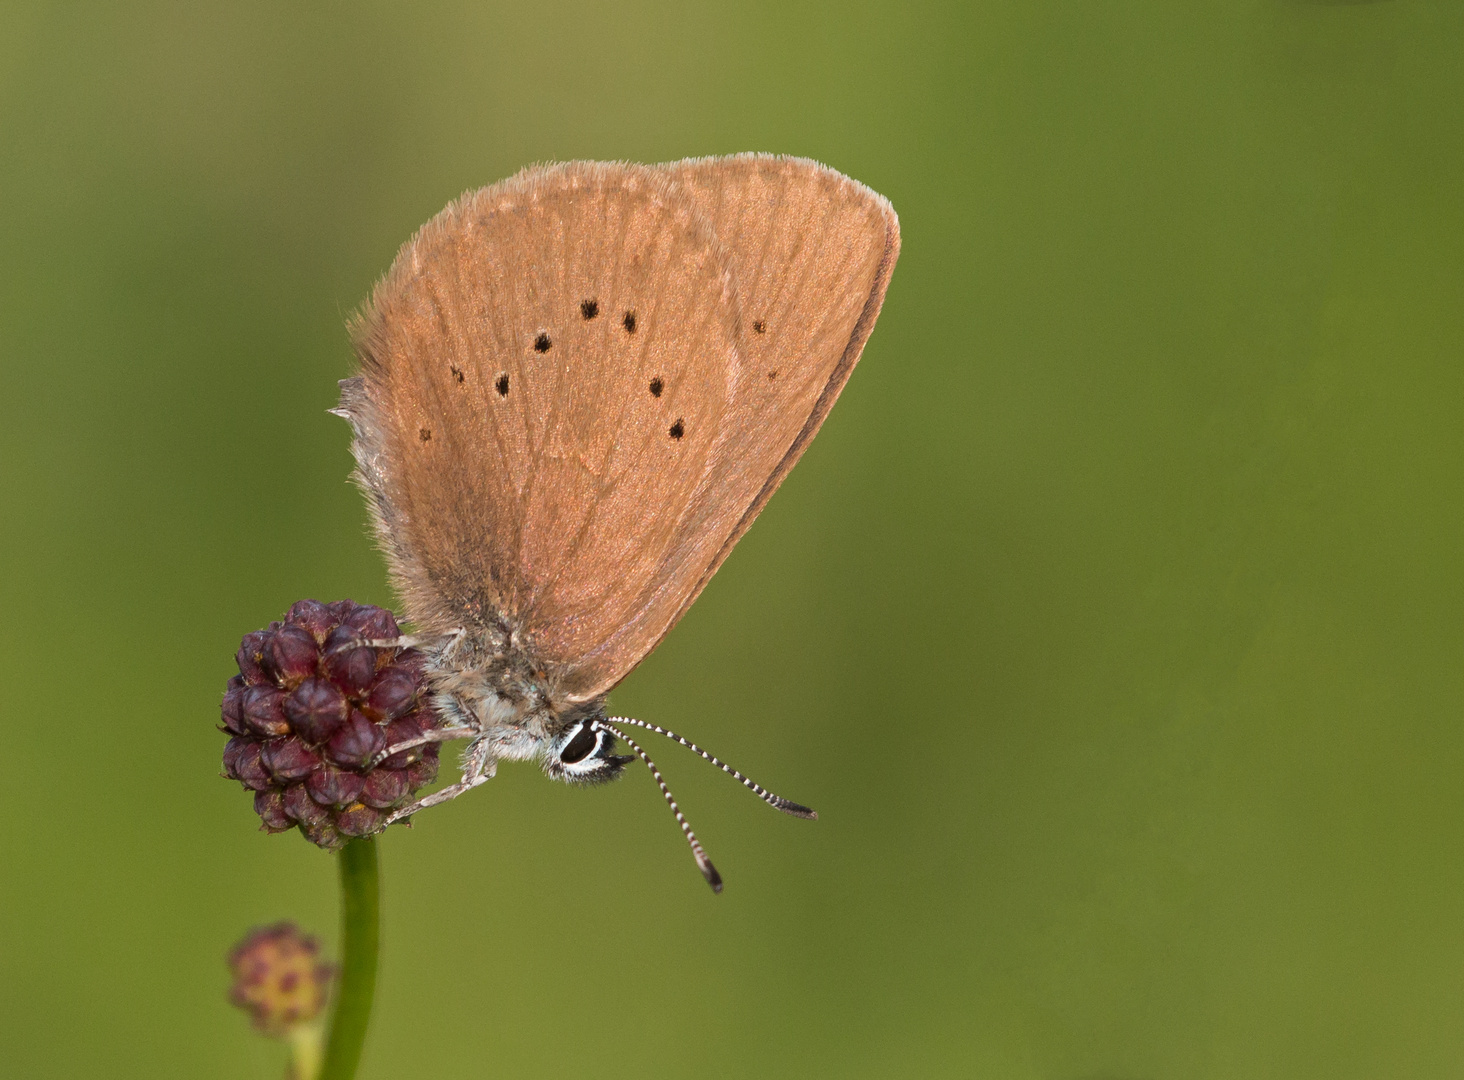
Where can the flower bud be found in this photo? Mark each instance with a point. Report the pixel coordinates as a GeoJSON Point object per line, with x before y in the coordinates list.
{"type": "Point", "coordinates": [289, 759]}
{"type": "Point", "coordinates": [270, 806]}
{"type": "Point", "coordinates": [397, 732]}
{"type": "Point", "coordinates": [302, 808]}
{"type": "Point", "coordinates": [373, 623]}
{"type": "Point", "coordinates": [340, 610]}
{"type": "Point", "coordinates": [385, 788]}
{"type": "Point", "coordinates": [356, 743]}
{"type": "Point", "coordinates": [393, 693]}
{"type": "Point", "coordinates": [279, 978]}
{"type": "Point", "coordinates": [262, 712]}
{"type": "Point", "coordinates": [250, 657]}
{"type": "Point", "coordinates": [293, 656]}
{"type": "Point", "coordinates": [423, 772]}
{"type": "Point", "coordinates": [335, 787]}
{"type": "Point", "coordinates": [349, 661]}
{"type": "Point", "coordinates": [358, 820]}
{"type": "Point", "coordinates": [313, 616]}
{"type": "Point", "coordinates": [315, 709]}
{"type": "Point", "coordinates": [324, 836]}
{"type": "Point", "coordinates": [231, 709]}
{"type": "Point", "coordinates": [245, 765]}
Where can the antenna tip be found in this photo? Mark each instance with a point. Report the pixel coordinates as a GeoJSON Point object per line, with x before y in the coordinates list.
{"type": "Point", "coordinates": [709, 872]}
{"type": "Point", "coordinates": [796, 810]}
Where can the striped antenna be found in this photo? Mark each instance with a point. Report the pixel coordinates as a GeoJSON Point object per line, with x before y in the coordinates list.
{"type": "Point", "coordinates": [777, 802]}
{"type": "Point", "coordinates": [703, 863]}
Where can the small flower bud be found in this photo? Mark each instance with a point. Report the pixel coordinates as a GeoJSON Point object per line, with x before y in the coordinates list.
{"type": "Point", "coordinates": [316, 709]}
{"type": "Point", "coordinates": [313, 616]}
{"type": "Point", "coordinates": [399, 731]}
{"type": "Point", "coordinates": [385, 788]}
{"type": "Point", "coordinates": [412, 660]}
{"type": "Point", "coordinates": [349, 662]}
{"type": "Point", "coordinates": [324, 836]}
{"type": "Point", "coordinates": [373, 623]}
{"type": "Point", "coordinates": [262, 712]}
{"type": "Point", "coordinates": [279, 978]}
{"type": "Point", "coordinates": [270, 806]}
{"type": "Point", "coordinates": [356, 743]}
{"type": "Point", "coordinates": [358, 820]}
{"type": "Point", "coordinates": [302, 808]}
{"type": "Point", "coordinates": [236, 746]}
{"type": "Point", "coordinates": [246, 766]}
{"type": "Point", "coordinates": [289, 759]}
{"type": "Point", "coordinates": [423, 772]}
{"type": "Point", "coordinates": [232, 707]}
{"type": "Point", "coordinates": [340, 610]}
{"type": "Point", "coordinates": [393, 694]}
{"type": "Point", "coordinates": [335, 787]}
{"type": "Point", "coordinates": [250, 657]}
{"type": "Point", "coordinates": [293, 656]}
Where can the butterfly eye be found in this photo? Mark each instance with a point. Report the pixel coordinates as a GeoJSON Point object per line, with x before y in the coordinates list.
{"type": "Point", "coordinates": [579, 747]}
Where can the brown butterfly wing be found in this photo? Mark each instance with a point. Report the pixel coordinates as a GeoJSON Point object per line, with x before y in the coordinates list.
{"type": "Point", "coordinates": [812, 251]}
{"type": "Point", "coordinates": [544, 374]}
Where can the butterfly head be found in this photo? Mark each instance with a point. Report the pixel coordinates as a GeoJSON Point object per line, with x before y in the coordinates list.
{"type": "Point", "coordinates": [584, 753]}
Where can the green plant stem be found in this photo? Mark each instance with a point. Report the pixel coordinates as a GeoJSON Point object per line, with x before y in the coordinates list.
{"type": "Point", "coordinates": [360, 939]}
{"type": "Point", "coordinates": [307, 1042]}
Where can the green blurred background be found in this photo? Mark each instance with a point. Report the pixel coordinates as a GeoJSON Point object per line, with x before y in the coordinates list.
{"type": "Point", "coordinates": [1113, 623]}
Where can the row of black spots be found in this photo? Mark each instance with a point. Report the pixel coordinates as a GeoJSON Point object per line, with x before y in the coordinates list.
{"type": "Point", "coordinates": [590, 309]}
{"type": "Point", "coordinates": [501, 384]}
{"type": "Point", "coordinates": [657, 388]}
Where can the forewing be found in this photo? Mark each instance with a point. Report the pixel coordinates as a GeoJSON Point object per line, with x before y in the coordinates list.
{"type": "Point", "coordinates": [544, 373]}
{"type": "Point", "coordinates": [812, 251]}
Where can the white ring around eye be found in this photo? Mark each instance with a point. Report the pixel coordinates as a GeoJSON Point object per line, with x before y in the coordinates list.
{"type": "Point", "coordinates": [593, 761]}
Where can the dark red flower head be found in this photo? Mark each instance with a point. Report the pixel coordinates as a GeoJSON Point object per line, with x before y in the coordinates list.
{"type": "Point", "coordinates": [315, 703]}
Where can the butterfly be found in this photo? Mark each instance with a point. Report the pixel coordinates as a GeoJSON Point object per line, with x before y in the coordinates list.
{"type": "Point", "coordinates": [577, 389]}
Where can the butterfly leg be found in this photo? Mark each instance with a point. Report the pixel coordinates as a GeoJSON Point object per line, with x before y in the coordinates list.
{"type": "Point", "coordinates": [436, 735]}
{"type": "Point", "coordinates": [412, 641]}
{"type": "Point", "coordinates": [447, 794]}
{"type": "Point", "coordinates": [478, 768]}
